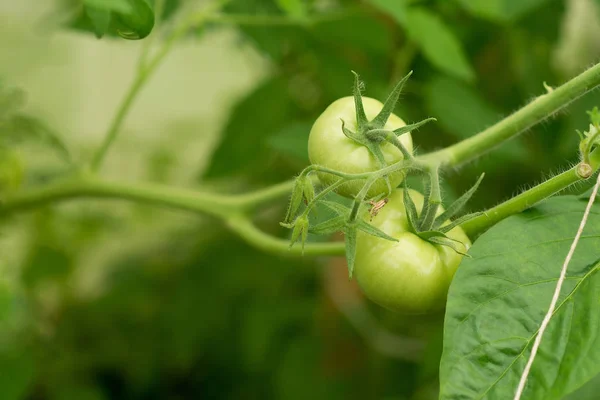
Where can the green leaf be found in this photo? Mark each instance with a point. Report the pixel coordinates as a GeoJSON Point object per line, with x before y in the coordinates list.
{"type": "Point", "coordinates": [100, 19]}
{"type": "Point", "coordinates": [438, 43]}
{"type": "Point", "coordinates": [294, 8]}
{"type": "Point", "coordinates": [500, 10]}
{"type": "Point", "coordinates": [499, 297]}
{"type": "Point", "coordinates": [395, 8]}
{"type": "Point", "coordinates": [120, 6]}
{"type": "Point", "coordinates": [458, 107]}
{"type": "Point", "coordinates": [130, 19]}
{"type": "Point", "coordinates": [136, 24]}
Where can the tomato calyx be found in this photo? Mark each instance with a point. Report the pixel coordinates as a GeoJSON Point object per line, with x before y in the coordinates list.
{"type": "Point", "coordinates": [434, 228]}
{"type": "Point", "coordinates": [372, 134]}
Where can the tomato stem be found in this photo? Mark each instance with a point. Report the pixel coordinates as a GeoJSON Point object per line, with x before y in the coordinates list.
{"type": "Point", "coordinates": [476, 226]}
{"type": "Point", "coordinates": [536, 111]}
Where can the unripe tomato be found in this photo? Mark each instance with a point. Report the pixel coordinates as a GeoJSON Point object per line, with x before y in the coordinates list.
{"type": "Point", "coordinates": [329, 147]}
{"type": "Point", "coordinates": [412, 275]}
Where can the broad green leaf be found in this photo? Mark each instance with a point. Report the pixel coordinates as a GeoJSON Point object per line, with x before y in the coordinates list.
{"type": "Point", "coordinates": [295, 8]}
{"type": "Point", "coordinates": [500, 10]}
{"type": "Point", "coordinates": [499, 297]}
{"type": "Point", "coordinates": [437, 41]}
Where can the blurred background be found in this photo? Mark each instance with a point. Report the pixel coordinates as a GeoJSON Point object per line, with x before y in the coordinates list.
{"type": "Point", "coordinates": [109, 300]}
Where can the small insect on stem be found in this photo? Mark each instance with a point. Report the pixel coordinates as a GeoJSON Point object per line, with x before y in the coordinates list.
{"type": "Point", "coordinates": [376, 206]}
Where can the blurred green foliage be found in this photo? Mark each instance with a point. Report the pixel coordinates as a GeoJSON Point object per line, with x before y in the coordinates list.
{"type": "Point", "coordinates": [196, 313]}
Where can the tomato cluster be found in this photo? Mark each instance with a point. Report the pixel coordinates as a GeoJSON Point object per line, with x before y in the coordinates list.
{"type": "Point", "coordinates": [411, 274]}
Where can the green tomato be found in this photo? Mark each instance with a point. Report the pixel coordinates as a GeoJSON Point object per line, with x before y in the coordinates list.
{"type": "Point", "coordinates": [11, 171]}
{"type": "Point", "coordinates": [330, 148]}
{"type": "Point", "coordinates": [410, 276]}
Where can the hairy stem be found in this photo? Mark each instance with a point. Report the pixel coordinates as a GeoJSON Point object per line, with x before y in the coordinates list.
{"type": "Point", "coordinates": [517, 123]}
{"type": "Point", "coordinates": [527, 199]}
{"type": "Point", "coordinates": [251, 234]}
{"type": "Point", "coordinates": [217, 205]}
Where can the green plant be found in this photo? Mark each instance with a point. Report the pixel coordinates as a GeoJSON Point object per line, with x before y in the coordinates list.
{"type": "Point", "coordinates": [360, 149]}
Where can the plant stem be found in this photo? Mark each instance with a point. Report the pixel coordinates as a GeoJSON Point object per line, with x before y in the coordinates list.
{"type": "Point", "coordinates": [246, 230]}
{"type": "Point", "coordinates": [527, 199]}
{"type": "Point", "coordinates": [511, 126]}
{"type": "Point", "coordinates": [217, 205]}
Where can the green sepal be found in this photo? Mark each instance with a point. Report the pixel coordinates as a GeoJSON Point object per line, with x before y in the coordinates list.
{"type": "Point", "coordinates": [455, 207]}
{"type": "Point", "coordinates": [390, 103]}
{"type": "Point", "coordinates": [295, 200]}
{"type": "Point", "coordinates": [412, 127]}
{"type": "Point", "coordinates": [426, 198]}
{"type": "Point", "coordinates": [426, 235]}
{"type": "Point", "coordinates": [335, 224]}
{"type": "Point", "coordinates": [308, 190]}
{"type": "Point", "coordinates": [361, 117]}
{"type": "Point", "coordinates": [594, 114]}
{"type": "Point", "coordinates": [411, 209]}
{"type": "Point", "coordinates": [353, 135]}
{"type": "Point", "coordinates": [446, 241]}
{"type": "Point", "coordinates": [428, 215]}
{"type": "Point", "coordinates": [350, 239]}
{"type": "Point", "coordinates": [459, 221]}
{"type": "Point", "coordinates": [371, 230]}
{"type": "Point", "coordinates": [300, 231]}
{"type": "Point", "coordinates": [337, 208]}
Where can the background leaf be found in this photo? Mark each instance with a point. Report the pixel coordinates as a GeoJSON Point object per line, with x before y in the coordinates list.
{"type": "Point", "coordinates": [499, 297]}
{"type": "Point", "coordinates": [431, 34]}
{"type": "Point", "coordinates": [501, 10]}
